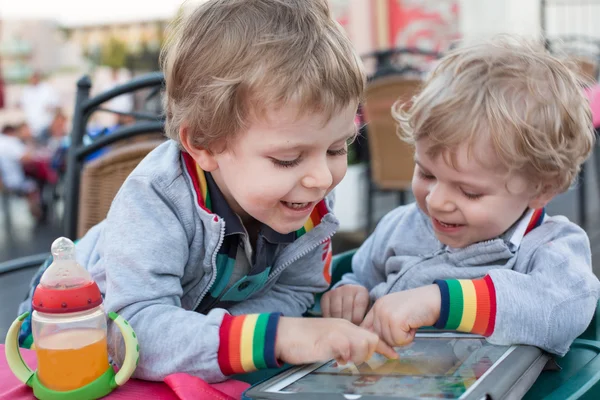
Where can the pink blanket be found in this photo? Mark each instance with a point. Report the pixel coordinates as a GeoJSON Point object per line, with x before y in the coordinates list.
{"type": "Point", "coordinates": [175, 387]}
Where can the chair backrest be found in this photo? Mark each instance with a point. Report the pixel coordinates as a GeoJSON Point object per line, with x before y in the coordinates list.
{"type": "Point", "coordinates": [148, 126]}
{"type": "Point", "coordinates": [102, 178]}
{"type": "Point", "coordinates": [392, 162]}
{"type": "Point", "coordinates": [588, 68]}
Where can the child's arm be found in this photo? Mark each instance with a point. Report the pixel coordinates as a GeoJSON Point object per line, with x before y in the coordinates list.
{"type": "Point", "coordinates": [547, 307]}
{"type": "Point", "coordinates": [554, 302]}
{"type": "Point", "coordinates": [144, 249]}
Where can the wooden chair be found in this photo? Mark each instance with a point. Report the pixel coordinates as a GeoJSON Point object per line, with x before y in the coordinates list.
{"type": "Point", "coordinates": [588, 68]}
{"type": "Point", "coordinates": [102, 178]}
{"type": "Point", "coordinates": [391, 160]}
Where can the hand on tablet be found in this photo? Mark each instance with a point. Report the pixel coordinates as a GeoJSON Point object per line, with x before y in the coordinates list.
{"type": "Point", "coordinates": [308, 340]}
{"type": "Point", "coordinates": [397, 316]}
{"type": "Point", "coordinates": [349, 302]}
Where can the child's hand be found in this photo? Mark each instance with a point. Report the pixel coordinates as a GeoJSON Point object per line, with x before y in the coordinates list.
{"type": "Point", "coordinates": [307, 340]}
{"type": "Point", "coordinates": [397, 316]}
{"type": "Point", "coordinates": [349, 302]}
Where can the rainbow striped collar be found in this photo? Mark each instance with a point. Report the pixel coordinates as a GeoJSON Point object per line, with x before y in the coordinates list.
{"type": "Point", "coordinates": [530, 220]}
{"type": "Point", "coordinates": [211, 200]}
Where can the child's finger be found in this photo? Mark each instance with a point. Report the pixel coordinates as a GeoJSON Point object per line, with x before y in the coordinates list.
{"type": "Point", "coordinates": [401, 334]}
{"type": "Point", "coordinates": [368, 321]}
{"type": "Point", "coordinates": [362, 348]}
{"type": "Point", "coordinates": [335, 305]}
{"type": "Point", "coordinates": [377, 325]}
{"type": "Point", "coordinates": [361, 302]}
{"type": "Point", "coordinates": [386, 350]}
{"type": "Point", "coordinates": [347, 306]}
{"type": "Point", "coordinates": [325, 302]}
{"type": "Point", "coordinates": [341, 349]}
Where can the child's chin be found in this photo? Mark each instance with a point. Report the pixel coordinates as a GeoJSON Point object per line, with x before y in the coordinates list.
{"type": "Point", "coordinates": [455, 244]}
{"type": "Point", "coordinates": [284, 229]}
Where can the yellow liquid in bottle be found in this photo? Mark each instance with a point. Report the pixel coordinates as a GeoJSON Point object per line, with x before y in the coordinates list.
{"type": "Point", "coordinates": [71, 359]}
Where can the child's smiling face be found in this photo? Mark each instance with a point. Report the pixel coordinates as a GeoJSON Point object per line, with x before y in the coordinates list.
{"type": "Point", "coordinates": [283, 165]}
{"type": "Point", "coordinates": [470, 201]}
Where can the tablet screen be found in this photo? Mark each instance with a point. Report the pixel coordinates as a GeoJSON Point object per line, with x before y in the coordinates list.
{"type": "Point", "coordinates": [428, 368]}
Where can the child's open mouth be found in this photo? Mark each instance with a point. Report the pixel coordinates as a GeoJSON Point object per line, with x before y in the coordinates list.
{"type": "Point", "coordinates": [444, 226]}
{"type": "Point", "coordinates": [448, 225]}
{"type": "Point", "coordinates": [297, 206]}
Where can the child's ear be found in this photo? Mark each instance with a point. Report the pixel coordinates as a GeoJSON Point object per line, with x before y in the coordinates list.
{"type": "Point", "coordinates": [544, 196]}
{"type": "Point", "coordinates": [203, 157]}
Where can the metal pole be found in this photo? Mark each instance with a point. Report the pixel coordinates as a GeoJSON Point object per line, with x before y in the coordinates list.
{"type": "Point", "coordinates": [543, 27]}
{"type": "Point", "coordinates": [73, 165]}
{"type": "Point", "coordinates": [2, 83]}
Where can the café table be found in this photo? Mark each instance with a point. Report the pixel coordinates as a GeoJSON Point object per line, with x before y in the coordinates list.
{"type": "Point", "coordinates": [175, 387]}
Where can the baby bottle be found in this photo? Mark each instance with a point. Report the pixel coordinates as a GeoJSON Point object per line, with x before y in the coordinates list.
{"type": "Point", "coordinates": [69, 334]}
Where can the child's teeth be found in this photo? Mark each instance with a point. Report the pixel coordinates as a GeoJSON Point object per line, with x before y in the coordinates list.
{"type": "Point", "coordinates": [297, 205]}
{"type": "Point", "coordinates": [447, 225]}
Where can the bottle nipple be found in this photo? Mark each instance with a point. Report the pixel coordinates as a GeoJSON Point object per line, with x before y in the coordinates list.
{"type": "Point", "coordinates": [64, 272]}
{"type": "Point", "coordinates": [63, 249]}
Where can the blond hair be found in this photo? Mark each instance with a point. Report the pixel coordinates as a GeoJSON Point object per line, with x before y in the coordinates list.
{"type": "Point", "coordinates": [232, 60]}
{"type": "Point", "coordinates": [529, 104]}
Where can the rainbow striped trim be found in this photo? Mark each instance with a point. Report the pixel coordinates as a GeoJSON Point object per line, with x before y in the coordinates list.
{"type": "Point", "coordinates": [468, 305]}
{"type": "Point", "coordinates": [199, 182]}
{"type": "Point", "coordinates": [536, 220]}
{"type": "Point", "coordinates": [247, 343]}
{"type": "Point", "coordinates": [315, 218]}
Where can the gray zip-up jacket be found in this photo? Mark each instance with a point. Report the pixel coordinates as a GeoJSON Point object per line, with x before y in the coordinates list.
{"type": "Point", "coordinates": [545, 290]}
{"type": "Point", "coordinates": [154, 256]}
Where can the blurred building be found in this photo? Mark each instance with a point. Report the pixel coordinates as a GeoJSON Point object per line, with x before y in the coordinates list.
{"type": "Point", "coordinates": [137, 36]}
{"type": "Point", "coordinates": [28, 45]}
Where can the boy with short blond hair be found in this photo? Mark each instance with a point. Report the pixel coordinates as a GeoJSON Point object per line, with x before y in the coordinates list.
{"type": "Point", "coordinates": [499, 129]}
{"type": "Point", "coordinates": [227, 226]}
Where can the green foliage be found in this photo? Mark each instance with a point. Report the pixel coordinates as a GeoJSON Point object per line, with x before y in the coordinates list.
{"type": "Point", "coordinates": [114, 53]}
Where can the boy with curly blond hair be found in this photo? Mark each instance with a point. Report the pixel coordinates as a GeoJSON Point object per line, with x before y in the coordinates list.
{"type": "Point", "coordinates": [499, 129]}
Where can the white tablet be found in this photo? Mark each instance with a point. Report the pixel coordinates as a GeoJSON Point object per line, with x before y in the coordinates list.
{"type": "Point", "coordinates": [434, 366]}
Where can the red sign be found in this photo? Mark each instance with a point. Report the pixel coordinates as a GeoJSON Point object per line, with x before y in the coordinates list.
{"type": "Point", "coordinates": [424, 24]}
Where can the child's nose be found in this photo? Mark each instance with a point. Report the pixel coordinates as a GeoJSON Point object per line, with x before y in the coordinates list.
{"type": "Point", "coordinates": [439, 199]}
{"type": "Point", "coordinates": [319, 177]}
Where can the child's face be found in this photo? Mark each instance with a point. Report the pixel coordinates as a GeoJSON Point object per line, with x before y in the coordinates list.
{"type": "Point", "coordinates": [472, 202]}
{"type": "Point", "coordinates": [279, 169]}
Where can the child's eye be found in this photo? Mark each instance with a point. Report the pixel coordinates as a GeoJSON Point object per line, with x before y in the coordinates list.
{"type": "Point", "coordinates": [285, 163]}
{"type": "Point", "coordinates": [425, 176]}
{"type": "Point", "coordinates": [340, 152]}
{"type": "Point", "coordinates": [472, 196]}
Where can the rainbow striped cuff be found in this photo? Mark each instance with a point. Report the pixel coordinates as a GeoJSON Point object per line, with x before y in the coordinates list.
{"type": "Point", "coordinates": [468, 305]}
{"type": "Point", "coordinates": [247, 343]}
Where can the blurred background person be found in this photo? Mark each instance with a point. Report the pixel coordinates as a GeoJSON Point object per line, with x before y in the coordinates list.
{"type": "Point", "coordinates": [39, 102]}
{"type": "Point", "coordinates": [25, 134]}
{"type": "Point", "coordinates": [122, 104]}
{"type": "Point", "coordinates": [54, 134]}
{"type": "Point", "coordinates": [13, 155]}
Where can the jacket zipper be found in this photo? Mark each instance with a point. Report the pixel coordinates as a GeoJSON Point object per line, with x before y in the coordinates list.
{"type": "Point", "coordinates": [214, 266]}
{"type": "Point", "coordinates": [219, 244]}
{"type": "Point", "coordinates": [283, 266]}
